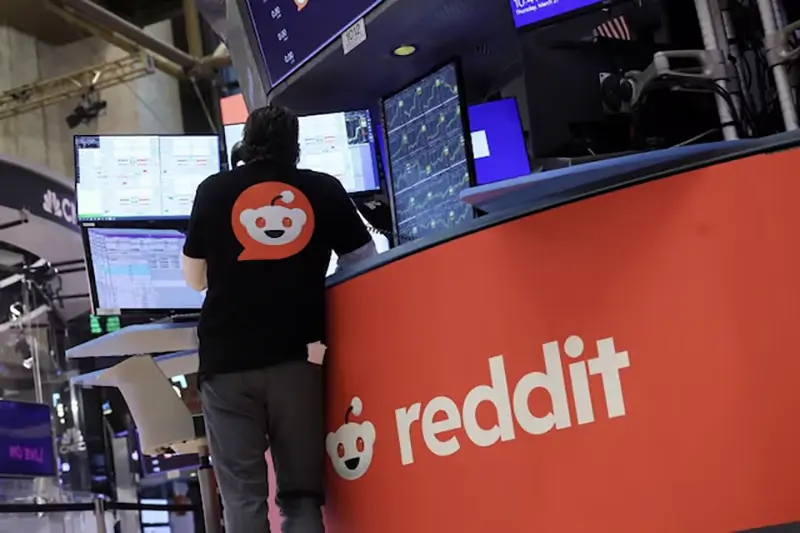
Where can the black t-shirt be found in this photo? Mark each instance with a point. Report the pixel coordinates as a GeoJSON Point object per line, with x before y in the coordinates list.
{"type": "Point", "coordinates": [267, 233]}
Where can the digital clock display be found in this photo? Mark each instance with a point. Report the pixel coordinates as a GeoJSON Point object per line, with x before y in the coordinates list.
{"type": "Point", "coordinates": [290, 32]}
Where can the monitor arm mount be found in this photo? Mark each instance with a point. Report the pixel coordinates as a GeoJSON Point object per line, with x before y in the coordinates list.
{"type": "Point", "coordinates": [677, 69]}
{"type": "Point", "coordinates": [779, 47]}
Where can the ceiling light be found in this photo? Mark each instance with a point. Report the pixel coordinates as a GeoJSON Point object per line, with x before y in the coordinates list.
{"type": "Point", "coordinates": [405, 50]}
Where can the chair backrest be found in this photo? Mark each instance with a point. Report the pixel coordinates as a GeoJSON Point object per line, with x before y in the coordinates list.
{"type": "Point", "coordinates": [163, 419]}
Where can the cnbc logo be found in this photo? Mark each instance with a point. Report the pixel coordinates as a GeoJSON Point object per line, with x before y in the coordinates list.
{"type": "Point", "coordinates": [63, 208]}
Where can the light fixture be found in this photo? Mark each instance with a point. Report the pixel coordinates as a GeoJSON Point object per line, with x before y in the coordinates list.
{"type": "Point", "coordinates": [405, 50]}
{"type": "Point", "coordinates": [89, 108]}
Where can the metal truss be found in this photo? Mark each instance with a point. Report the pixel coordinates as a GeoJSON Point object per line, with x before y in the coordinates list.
{"type": "Point", "coordinates": [33, 96]}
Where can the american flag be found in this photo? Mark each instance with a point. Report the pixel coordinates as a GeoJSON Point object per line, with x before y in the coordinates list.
{"type": "Point", "coordinates": [616, 28]}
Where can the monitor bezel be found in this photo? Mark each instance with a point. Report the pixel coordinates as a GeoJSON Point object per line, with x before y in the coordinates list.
{"type": "Point", "coordinates": [522, 129]}
{"type": "Point", "coordinates": [53, 437]}
{"type": "Point", "coordinates": [222, 156]}
{"type": "Point", "coordinates": [466, 132]}
{"type": "Point", "coordinates": [375, 146]}
{"type": "Point", "coordinates": [599, 5]}
{"type": "Point", "coordinates": [174, 225]}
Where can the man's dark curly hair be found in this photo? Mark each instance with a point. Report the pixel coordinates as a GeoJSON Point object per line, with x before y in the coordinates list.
{"type": "Point", "coordinates": [271, 133]}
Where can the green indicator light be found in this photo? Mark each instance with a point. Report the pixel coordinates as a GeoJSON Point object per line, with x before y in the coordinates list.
{"type": "Point", "coordinates": [94, 325]}
{"type": "Point", "coordinates": [112, 324]}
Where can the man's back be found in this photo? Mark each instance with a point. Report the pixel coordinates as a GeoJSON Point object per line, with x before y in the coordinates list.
{"type": "Point", "coordinates": [266, 232]}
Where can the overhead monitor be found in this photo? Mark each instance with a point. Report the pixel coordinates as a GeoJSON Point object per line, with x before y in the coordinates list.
{"type": "Point", "coordinates": [340, 144]}
{"type": "Point", "coordinates": [26, 440]}
{"type": "Point", "coordinates": [290, 32]}
{"type": "Point", "coordinates": [138, 271]}
{"type": "Point", "coordinates": [141, 177]}
{"type": "Point", "coordinates": [429, 157]}
{"type": "Point", "coordinates": [498, 144]}
{"type": "Point", "coordinates": [534, 12]}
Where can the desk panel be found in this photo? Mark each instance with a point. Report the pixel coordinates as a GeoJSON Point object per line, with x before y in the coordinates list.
{"type": "Point", "coordinates": [620, 364]}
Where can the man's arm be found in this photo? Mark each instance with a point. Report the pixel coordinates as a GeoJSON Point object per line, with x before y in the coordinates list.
{"type": "Point", "coordinates": [193, 258]}
{"type": "Point", "coordinates": [194, 272]}
{"type": "Point", "coordinates": [360, 254]}
{"type": "Point", "coordinates": [350, 238]}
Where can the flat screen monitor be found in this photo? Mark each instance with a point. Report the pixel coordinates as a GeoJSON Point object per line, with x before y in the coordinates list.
{"type": "Point", "coordinates": [340, 144]}
{"type": "Point", "coordinates": [154, 519]}
{"type": "Point", "coordinates": [290, 32]}
{"type": "Point", "coordinates": [141, 177]}
{"type": "Point", "coordinates": [138, 270]}
{"type": "Point", "coordinates": [498, 144]}
{"type": "Point", "coordinates": [26, 440]}
{"type": "Point", "coordinates": [534, 12]}
{"type": "Point", "coordinates": [429, 157]}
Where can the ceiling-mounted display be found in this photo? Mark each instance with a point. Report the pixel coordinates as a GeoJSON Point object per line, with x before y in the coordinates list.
{"type": "Point", "coordinates": [290, 32]}
{"type": "Point", "coordinates": [528, 12]}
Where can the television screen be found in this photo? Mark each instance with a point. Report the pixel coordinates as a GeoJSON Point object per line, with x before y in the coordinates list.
{"type": "Point", "coordinates": [340, 144]}
{"type": "Point", "coordinates": [498, 145]}
{"type": "Point", "coordinates": [26, 440]}
{"type": "Point", "coordinates": [290, 32]}
{"type": "Point", "coordinates": [527, 12]}
{"type": "Point", "coordinates": [428, 157]}
{"type": "Point", "coordinates": [137, 270]}
{"type": "Point", "coordinates": [141, 177]}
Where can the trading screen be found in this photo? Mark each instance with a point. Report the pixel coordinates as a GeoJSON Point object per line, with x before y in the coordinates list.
{"type": "Point", "coordinates": [141, 177]}
{"type": "Point", "coordinates": [427, 155]}
{"type": "Point", "coordinates": [139, 269]}
{"type": "Point", "coordinates": [340, 144]}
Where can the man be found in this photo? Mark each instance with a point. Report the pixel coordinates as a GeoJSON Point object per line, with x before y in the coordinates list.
{"type": "Point", "coordinates": [260, 239]}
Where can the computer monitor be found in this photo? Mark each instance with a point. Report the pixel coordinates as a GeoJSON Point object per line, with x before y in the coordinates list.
{"type": "Point", "coordinates": [529, 13]}
{"type": "Point", "coordinates": [340, 144]}
{"type": "Point", "coordinates": [498, 144]}
{"type": "Point", "coordinates": [137, 271]}
{"type": "Point", "coordinates": [26, 440]}
{"type": "Point", "coordinates": [141, 177]}
{"type": "Point", "coordinates": [429, 154]}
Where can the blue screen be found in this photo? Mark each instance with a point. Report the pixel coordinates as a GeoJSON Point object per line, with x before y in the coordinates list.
{"type": "Point", "coordinates": [427, 155]}
{"type": "Point", "coordinates": [139, 270]}
{"type": "Point", "coordinates": [534, 11]}
{"type": "Point", "coordinates": [497, 142]}
{"type": "Point", "coordinates": [290, 32]}
{"type": "Point", "coordinates": [26, 440]}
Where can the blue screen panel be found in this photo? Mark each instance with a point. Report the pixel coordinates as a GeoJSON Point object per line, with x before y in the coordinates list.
{"type": "Point", "coordinates": [528, 12]}
{"type": "Point", "coordinates": [497, 141]}
{"type": "Point", "coordinates": [26, 440]}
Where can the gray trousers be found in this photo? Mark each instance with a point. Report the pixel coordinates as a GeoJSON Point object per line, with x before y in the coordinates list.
{"type": "Point", "coordinates": [279, 408]}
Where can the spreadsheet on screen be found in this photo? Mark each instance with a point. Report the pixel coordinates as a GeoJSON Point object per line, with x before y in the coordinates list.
{"type": "Point", "coordinates": [141, 177]}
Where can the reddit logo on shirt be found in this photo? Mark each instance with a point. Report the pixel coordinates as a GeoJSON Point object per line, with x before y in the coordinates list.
{"type": "Point", "coordinates": [272, 220]}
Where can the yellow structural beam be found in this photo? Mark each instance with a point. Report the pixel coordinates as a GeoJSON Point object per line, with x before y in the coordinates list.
{"type": "Point", "coordinates": [44, 93]}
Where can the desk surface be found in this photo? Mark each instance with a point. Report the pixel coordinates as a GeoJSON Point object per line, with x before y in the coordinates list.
{"type": "Point", "coordinates": [140, 339]}
{"type": "Point", "coordinates": [174, 364]}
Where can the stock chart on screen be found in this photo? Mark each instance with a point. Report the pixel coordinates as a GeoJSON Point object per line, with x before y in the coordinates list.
{"type": "Point", "coordinates": [427, 154]}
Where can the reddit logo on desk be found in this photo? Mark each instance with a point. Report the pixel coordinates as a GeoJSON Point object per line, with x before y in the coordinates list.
{"type": "Point", "coordinates": [272, 220]}
{"type": "Point", "coordinates": [351, 446]}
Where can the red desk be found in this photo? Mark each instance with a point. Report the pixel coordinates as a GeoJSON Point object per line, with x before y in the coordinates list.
{"type": "Point", "coordinates": [694, 277]}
